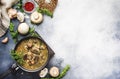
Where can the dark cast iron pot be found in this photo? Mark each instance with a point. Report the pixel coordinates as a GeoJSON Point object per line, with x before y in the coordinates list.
{"type": "Point", "coordinates": [16, 66]}
{"type": "Point", "coordinates": [39, 67]}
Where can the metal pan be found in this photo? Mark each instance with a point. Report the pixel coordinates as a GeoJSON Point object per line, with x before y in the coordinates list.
{"type": "Point", "coordinates": [16, 66]}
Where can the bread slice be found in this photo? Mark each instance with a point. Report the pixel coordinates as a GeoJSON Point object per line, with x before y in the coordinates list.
{"type": "Point", "coordinates": [46, 6]}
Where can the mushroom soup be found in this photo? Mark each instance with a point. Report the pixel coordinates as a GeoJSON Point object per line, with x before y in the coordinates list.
{"type": "Point", "coordinates": [35, 53]}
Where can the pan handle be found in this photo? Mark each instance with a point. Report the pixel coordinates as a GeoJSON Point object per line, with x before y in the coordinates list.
{"type": "Point", "coordinates": [6, 73]}
{"type": "Point", "coordinates": [12, 69]}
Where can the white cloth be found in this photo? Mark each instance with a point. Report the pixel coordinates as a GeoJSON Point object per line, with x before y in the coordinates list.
{"type": "Point", "coordinates": [4, 18]}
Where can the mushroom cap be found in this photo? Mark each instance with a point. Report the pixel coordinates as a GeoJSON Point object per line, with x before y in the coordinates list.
{"type": "Point", "coordinates": [20, 16]}
{"type": "Point", "coordinates": [23, 28]}
{"type": "Point", "coordinates": [43, 72]}
{"type": "Point", "coordinates": [36, 17]}
{"type": "Point", "coordinates": [54, 71]}
{"type": "Point", "coordinates": [12, 13]}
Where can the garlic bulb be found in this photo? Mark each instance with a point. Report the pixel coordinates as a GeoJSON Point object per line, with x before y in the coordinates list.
{"type": "Point", "coordinates": [36, 17]}
{"type": "Point", "coordinates": [20, 16]}
{"type": "Point", "coordinates": [54, 71]}
{"type": "Point", "coordinates": [23, 28]}
{"type": "Point", "coordinates": [43, 72]}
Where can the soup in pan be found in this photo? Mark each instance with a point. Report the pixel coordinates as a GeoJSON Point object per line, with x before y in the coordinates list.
{"type": "Point", "coordinates": [34, 51]}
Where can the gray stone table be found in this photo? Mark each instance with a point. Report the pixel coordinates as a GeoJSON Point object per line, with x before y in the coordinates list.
{"type": "Point", "coordinates": [84, 34]}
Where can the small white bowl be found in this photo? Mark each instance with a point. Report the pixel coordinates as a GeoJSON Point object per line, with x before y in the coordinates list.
{"type": "Point", "coordinates": [33, 8]}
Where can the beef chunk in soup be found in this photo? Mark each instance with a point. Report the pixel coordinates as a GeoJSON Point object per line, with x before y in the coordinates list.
{"type": "Point", "coordinates": [25, 57]}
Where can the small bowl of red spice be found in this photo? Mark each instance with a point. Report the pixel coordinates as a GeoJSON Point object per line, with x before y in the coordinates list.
{"type": "Point", "coordinates": [29, 6]}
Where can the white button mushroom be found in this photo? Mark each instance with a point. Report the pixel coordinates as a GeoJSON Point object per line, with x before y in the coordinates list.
{"type": "Point", "coordinates": [23, 28]}
{"type": "Point", "coordinates": [43, 72]}
{"type": "Point", "coordinates": [12, 13]}
{"type": "Point", "coordinates": [20, 16]}
{"type": "Point", "coordinates": [36, 17]}
{"type": "Point", "coordinates": [54, 71]}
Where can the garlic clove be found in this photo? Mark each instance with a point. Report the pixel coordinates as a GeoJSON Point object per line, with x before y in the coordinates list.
{"type": "Point", "coordinates": [5, 40]}
{"type": "Point", "coordinates": [43, 72]}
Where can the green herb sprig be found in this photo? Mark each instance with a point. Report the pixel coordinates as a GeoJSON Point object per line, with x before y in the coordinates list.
{"type": "Point", "coordinates": [32, 32]}
{"type": "Point", "coordinates": [19, 6]}
{"type": "Point", "coordinates": [14, 34]}
{"type": "Point", "coordinates": [62, 74]}
{"type": "Point", "coordinates": [45, 11]}
{"type": "Point", "coordinates": [17, 57]}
